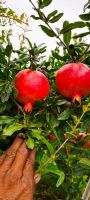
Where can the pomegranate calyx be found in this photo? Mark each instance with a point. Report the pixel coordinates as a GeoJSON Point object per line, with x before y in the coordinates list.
{"type": "Point", "coordinates": [76, 99]}
{"type": "Point", "coordinates": [28, 107]}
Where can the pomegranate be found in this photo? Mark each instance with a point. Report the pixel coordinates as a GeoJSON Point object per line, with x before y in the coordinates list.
{"type": "Point", "coordinates": [31, 86]}
{"type": "Point", "coordinates": [73, 81]}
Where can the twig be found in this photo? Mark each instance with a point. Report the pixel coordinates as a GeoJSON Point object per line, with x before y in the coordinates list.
{"type": "Point", "coordinates": [86, 193]}
{"type": "Point", "coordinates": [19, 107]}
{"type": "Point", "coordinates": [52, 157]}
{"type": "Point", "coordinates": [56, 35]}
{"type": "Point", "coordinates": [60, 147]}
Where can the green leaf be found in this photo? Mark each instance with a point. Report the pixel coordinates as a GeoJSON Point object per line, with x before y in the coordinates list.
{"type": "Point", "coordinates": [44, 158]}
{"type": "Point", "coordinates": [61, 102]}
{"type": "Point", "coordinates": [34, 124]}
{"type": "Point", "coordinates": [84, 162]}
{"type": "Point", "coordinates": [15, 93]}
{"type": "Point", "coordinates": [35, 17]}
{"type": "Point", "coordinates": [46, 30]}
{"type": "Point", "coordinates": [39, 3]}
{"type": "Point", "coordinates": [57, 56]}
{"type": "Point", "coordinates": [56, 18]}
{"type": "Point", "coordinates": [60, 179]}
{"type": "Point", "coordinates": [72, 26]}
{"type": "Point", "coordinates": [6, 119]}
{"type": "Point", "coordinates": [50, 15]}
{"type": "Point", "coordinates": [0, 128]}
{"type": "Point", "coordinates": [39, 155]}
{"type": "Point", "coordinates": [52, 168]}
{"type": "Point", "coordinates": [82, 34]}
{"type": "Point", "coordinates": [45, 3]}
{"type": "Point", "coordinates": [8, 50]}
{"type": "Point", "coordinates": [2, 107]}
{"type": "Point", "coordinates": [67, 35]}
{"type": "Point", "coordinates": [85, 125]}
{"type": "Point", "coordinates": [9, 130]}
{"type": "Point", "coordinates": [51, 119]}
{"type": "Point", "coordinates": [36, 133]}
{"type": "Point", "coordinates": [2, 75]}
{"type": "Point", "coordinates": [29, 42]}
{"type": "Point", "coordinates": [79, 24]}
{"type": "Point", "coordinates": [64, 115]}
{"type": "Point", "coordinates": [49, 146]}
{"type": "Point", "coordinates": [85, 17]}
{"type": "Point", "coordinates": [5, 97]}
{"type": "Point", "coordinates": [2, 57]}
{"type": "Point", "coordinates": [30, 143]}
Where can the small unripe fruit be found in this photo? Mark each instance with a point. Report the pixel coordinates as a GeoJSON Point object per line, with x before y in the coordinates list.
{"type": "Point", "coordinates": [52, 137]}
{"type": "Point", "coordinates": [86, 145]}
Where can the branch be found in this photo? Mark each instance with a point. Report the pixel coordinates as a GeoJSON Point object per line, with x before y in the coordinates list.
{"type": "Point", "coordinates": [86, 193]}
{"type": "Point", "coordinates": [61, 146]}
{"type": "Point", "coordinates": [56, 35]}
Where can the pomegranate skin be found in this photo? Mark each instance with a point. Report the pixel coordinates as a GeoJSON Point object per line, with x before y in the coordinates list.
{"type": "Point", "coordinates": [28, 107]}
{"type": "Point", "coordinates": [73, 81]}
{"type": "Point", "coordinates": [31, 86]}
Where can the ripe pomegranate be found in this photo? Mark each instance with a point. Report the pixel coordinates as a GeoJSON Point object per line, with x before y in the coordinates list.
{"type": "Point", "coordinates": [52, 137]}
{"type": "Point", "coordinates": [73, 81]}
{"type": "Point", "coordinates": [31, 86]}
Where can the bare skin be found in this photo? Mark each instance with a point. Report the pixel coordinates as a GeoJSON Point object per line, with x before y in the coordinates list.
{"type": "Point", "coordinates": [17, 172]}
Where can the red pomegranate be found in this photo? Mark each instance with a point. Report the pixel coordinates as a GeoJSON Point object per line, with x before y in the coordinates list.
{"type": "Point", "coordinates": [31, 86]}
{"type": "Point", "coordinates": [73, 81]}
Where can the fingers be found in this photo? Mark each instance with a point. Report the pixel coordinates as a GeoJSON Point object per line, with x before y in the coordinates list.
{"type": "Point", "coordinates": [20, 160]}
{"type": "Point", "coordinates": [26, 195]}
{"type": "Point", "coordinates": [9, 156]}
{"type": "Point", "coordinates": [28, 171]}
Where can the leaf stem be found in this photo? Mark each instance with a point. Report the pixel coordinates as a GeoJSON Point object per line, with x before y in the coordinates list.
{"type": "Point", "coordinates": [52, 157]}
{"type": "Point", "coordinates": [19, 107]}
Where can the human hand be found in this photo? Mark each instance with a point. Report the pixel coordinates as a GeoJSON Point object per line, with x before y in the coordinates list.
{"type": "Point", "coordinates": [17, 172]}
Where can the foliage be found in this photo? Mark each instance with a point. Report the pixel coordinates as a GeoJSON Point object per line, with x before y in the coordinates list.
{"type": "Point", "coordinates": [7, 15]}
{"type": "Point", "coordinates": [56, 115]}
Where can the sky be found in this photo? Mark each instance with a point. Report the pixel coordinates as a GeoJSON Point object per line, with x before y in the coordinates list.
{"type": "Point", "coordinates": [70, 8]}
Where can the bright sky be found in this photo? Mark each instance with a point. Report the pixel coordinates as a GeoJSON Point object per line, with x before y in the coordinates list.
{"type": "Point", "coordinates": [71, 9]}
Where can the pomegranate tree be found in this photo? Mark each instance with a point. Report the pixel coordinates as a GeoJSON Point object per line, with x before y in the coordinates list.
{"type": "Point", "coordinates": [73, 81]}
{"type": "Point", "coordinates": [31, 86]}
